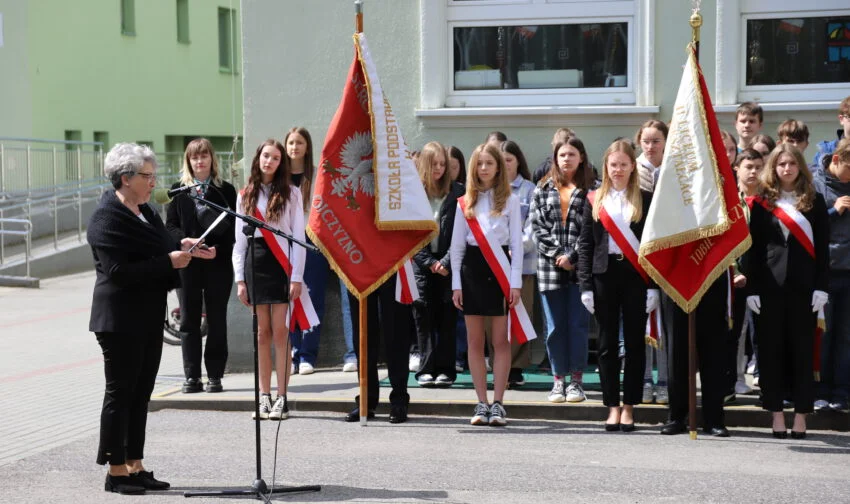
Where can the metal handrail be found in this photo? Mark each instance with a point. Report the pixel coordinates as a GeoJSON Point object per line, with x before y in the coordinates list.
{"type": "Point", "coordinates": [26, 232]}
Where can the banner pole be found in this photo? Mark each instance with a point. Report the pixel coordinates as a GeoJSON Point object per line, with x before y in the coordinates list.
{"type": "Point", "coordinates": [695, 22]}
{"type": "Point", "coordinates": [358, 16]}
{"type": "Point", "coordinates": [363, 361]}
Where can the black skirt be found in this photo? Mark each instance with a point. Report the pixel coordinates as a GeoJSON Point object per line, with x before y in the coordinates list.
{"type": "Point", "coordinates": [270, 281]}
{"type": "Point", "coordinates": [481, 292]}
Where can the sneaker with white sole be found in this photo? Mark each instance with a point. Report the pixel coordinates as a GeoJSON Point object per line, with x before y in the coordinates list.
{"type": "Point", "coordinates": [741, 387]}
{"type": "Point", "coordinates": [662, 396]}
{"type": "Point", "coordinates": [498, 416]}
{"type": "Point", "coordinates": [349, 367]}
{"type": "Point", "coordinates": [481, 415]}
{"type": "Point", "coordinates": [279, 411]}
{"type": "Point", "coordinates": [821, 404]}
{"type": "Point", "coordinates": [443, 380]}
{"type": "Point", "coordinates": [648, 393]}
{"type": "Point", "coordinates": [414, 362]}
{"type": "Point", "coordinates": [305, 368]}
{"type": "Point", "coordinates": [575, 393]}
{"type": "Point", "coordinates": [557, 394]}
{"type": "Point", "coordinates": [755, 381]}
{"type": "Point", "coordinates": [265, 407]}
{"type": "Point", "coordinates": [425, 380]}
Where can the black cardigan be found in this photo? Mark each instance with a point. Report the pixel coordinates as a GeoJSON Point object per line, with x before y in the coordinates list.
{"type": "Point", "coordinates": [182, 219]}
{"type": "Point", "coordinates": [423, 259]}
{"type": "Point", "coordinates": [134, 272]}
{"type": "Point", "coordinates": [593, 244]}
{"type": "Point", "coordinates": [774, 262]}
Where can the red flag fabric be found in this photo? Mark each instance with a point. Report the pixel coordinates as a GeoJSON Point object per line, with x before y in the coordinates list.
{"type": "Point", "coordinates": [369, 212]}
{"type": "Point", "coordinates": [695, 226]}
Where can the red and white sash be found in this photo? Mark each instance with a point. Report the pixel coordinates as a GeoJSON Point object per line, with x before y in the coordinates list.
{"type": "Point", "coordinates": [801, 229]}
{"type": "Point", "coordinates": [519, 323]}
{"type": "Point", "coordinates": [620, 231]}
{"type": "Point", "coordinates": [301, 311]}
{"type": "Point", "coordinates": [405, 285]}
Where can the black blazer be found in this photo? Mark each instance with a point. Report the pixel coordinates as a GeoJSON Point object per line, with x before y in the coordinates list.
{"type": "Point", "coordinates": [423, 259]}
{"type": "Point", "coordinates": [134, 272]}
{"type": "Point", "coordinates": [593, 244]}
{"type": "Point", "coordinates": [182, 219]}
{"type": "Point", "coordinates": [775, 262]}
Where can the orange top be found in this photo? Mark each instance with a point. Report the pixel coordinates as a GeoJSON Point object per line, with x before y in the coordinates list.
{"type": "Point", "coordinates": [565, 192]}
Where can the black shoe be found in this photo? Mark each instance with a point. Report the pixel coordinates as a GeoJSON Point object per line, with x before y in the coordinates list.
{"type": "Point", "coordinates": [729, 399]}
{"type": "Point", "coordinates": [146, 479]}
{"type": "Point", "coordinates": [398, 414]}
{"type": "Point", "coordinates": [214, 385]}
{"type": "Point", "coordinates": [125, 485]}
{"type": "Point", "coordinates": [192, 385]}
{"type": "Point", "coordinates": [612, 427]}
{"type": "Point", "coordinates": [627, 427]}
{"type": "Point", "coordinates": [674, 427]}
{"type": "Point", "coordinates": [717, 431]}
{"type": "Point", "coordinates": [798, 435]}
{"type": "Point", "coordinates": [354, 415]}
{"type": "Point", "coordinates": [515, 378]}
{"type": "Point", "coordinates": [780, 434]}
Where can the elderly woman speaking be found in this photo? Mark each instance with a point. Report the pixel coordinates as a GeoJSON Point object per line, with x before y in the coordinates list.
{"type": "Point", "coordinates": [136, 261]}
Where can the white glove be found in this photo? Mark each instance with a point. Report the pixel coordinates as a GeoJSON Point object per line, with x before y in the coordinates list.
{"type": "Point", "coordinates": [652, 297]}
{"type": "Point", "coordinates": [754, 304]}
{"type": "Point", "coordinates": [819, 300]}
{"type": "Point", "coordinates": [587, 300]}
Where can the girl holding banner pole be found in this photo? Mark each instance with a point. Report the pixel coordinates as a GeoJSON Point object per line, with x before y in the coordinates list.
{"type": "Point", "coordinates": [270, 196]}
{"type": "Point", "coordinates": [485, 283]}
{"type": "Point", "coordinates": [613, 283]}
{"type": "Point", "coordinates": [789, 268]}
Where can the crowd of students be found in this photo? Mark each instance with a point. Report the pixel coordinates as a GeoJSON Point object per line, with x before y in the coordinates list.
{"type": "Point", "coordinates": [562, 234]}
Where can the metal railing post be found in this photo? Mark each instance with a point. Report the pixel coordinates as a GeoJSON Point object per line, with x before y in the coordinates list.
{"type": "Point", "coordinates": [55, 205]}
{"type": "Point", "coordinates": [28, 227]}
{"type": "Point", "coordinates": [29, 183]}
{"type": "Point", "coordinates": [2, 238]}
{"type": "Point", "coordinates": [2, 169]}
{"type": "Point", "coordinates": [79, 194]}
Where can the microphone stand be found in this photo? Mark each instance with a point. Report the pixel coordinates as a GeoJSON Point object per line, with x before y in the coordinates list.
{"type": "Point", "coordinates": [259, 489]}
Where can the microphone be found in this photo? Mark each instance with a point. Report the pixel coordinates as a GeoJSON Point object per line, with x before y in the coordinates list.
{"type": "Point", "coordinates": [161, 195]}
{"type": "Point", "coordinates": [180, 190]}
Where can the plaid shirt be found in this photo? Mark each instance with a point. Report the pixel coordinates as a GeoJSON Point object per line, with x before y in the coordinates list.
{"type": "Point", "coordinates": [553, 238]}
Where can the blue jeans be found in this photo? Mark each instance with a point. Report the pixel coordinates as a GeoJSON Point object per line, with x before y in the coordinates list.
{"type": "Point", "coordinates": [835, 349]}
{"type": "Point", "coordinates": [567, 322]}
{"type": "Point", "coordinates": [347, 329]}
{"type": "Point", "coordinates": [305, 345]}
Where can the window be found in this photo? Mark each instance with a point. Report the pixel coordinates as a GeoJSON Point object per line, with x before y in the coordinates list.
{"type": "Point", "coordinates": [183, 21]}
{"type": "Point", "coordinates": [530, 53]}
{"type": "Point", "coordinates": [226, 18]}
{"type": "Point", "coordinates": [128, 17]}
{"type": "Point", "coordinates": [102, 137]}
{"type": "Point", "coordinates": [783, 51]}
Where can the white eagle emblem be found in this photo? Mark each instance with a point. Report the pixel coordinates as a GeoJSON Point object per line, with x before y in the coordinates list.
{"type": "Point", "coordinates": [355, 173]}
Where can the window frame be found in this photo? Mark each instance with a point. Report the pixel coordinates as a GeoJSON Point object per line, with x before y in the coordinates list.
{"type": "Point", "coordinates": [183, 22]}
{"type": "Point", "coordinates": [440, 18]}
{"type": "Point", "coordinates": [231, 34]}
{"type": "Point", "coordinates": [731, 72]}
{"type": "Point", "coordinates": [128, 17]}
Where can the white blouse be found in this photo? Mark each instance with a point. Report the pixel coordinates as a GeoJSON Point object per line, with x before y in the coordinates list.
{"type": "Point", "coordinates": [291, 222]}
{"type": "Point", "coordinates": [616, 202]}
{"type": "Point", "coordinates": [505, 229]}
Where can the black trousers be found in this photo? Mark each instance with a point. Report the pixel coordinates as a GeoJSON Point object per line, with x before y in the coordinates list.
{"type": "Point", "coordinates": [205, 283]}
{"type": "Point", "coordinates": [130, 364]}
{"type": "Point", "coordinates": [436, 319]}
{"type": "Point", "coordinates": [621, 290]}
{"type": "Point", "coordinates": [712, 333]}
{"type": "Point", "coordinates": [785, 335]}
{"type": "Point", "coordinates": [389, 321]}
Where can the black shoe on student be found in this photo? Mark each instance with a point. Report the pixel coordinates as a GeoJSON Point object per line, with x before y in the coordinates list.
{"type": "Point", "coordinates": [146, 479]}
{"type": "Point", "coordinates": [192, 385]}
{"type": "Point", "coordinates": [398, 414]}
{"type": "Point", "coordinates": [214, 385]}
{"type": "Point", "coordinates": [674, 427]}
{"type": "Point", "coordinates": [125, 485]}
{"type": "Point", "coordinates": [354, 415]}
{"type": "Point", "coordinates": [717, 431]}
{"type": "Point", "coordinates": [515, 378]}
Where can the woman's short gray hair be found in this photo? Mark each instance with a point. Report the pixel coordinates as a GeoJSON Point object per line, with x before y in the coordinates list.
{"type": "Point", "coordinates": [126, 159]}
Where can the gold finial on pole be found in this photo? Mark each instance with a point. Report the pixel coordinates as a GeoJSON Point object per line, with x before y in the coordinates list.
{"type": "Point", "coordinates": [696, 23]}
{"type": "Point", "coordinates": [358, 16]}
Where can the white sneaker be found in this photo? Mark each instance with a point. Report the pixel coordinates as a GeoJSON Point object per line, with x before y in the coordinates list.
{"type": "Point", "coordinates": [498, 416]}
{"type": "Point", "coordinates": [751, 367]}
{"type": "Point", "coordinates": [414, 362]}
{"type": "Point", "coordinates": [575, 393]}
{"type": "Point", "coordinates": [279, 410]}
{"type": "Point", "coordinates": [755, 381]}
{"type": "Point", "coordinates": [425, 380]}
{"type": "Point", "coordinates": [305, 368]}
{"type": "Point", "coordinates": [443, 380]}
{"type": "Point", "coordinates": [821, 404]}
{"type": "Point", "coordinates": [662, 396]}
{"type": "Point", "coordinates": [648, 393]}
{"type": "Point", "coordinates": [481, 416]}
{"type": "Point", "coordinates": [349, 367]}
{"type": "Point", "coordinates": [265, 407]}
{"type": "Point", "coordinates": [741, 387]}
{"type": "Point", "coordinates": [487, 364]}
{"type": "Point", "coordinates": [557, 395]}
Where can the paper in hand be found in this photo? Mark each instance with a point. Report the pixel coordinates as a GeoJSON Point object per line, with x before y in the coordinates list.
{"type": "Point", "coordinates": [218, 219]}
